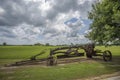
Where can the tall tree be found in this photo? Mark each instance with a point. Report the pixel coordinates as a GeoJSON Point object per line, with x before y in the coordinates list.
{"type": "Point", "coordinates": [4, 44]}
{"type": "Point", "coordinates": [105, 16]}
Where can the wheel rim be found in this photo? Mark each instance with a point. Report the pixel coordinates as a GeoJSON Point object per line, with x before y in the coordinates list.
{"type": "Point", "coordinates": [51, 61]}
{"type": "Point", "coordinates": [107, 56]}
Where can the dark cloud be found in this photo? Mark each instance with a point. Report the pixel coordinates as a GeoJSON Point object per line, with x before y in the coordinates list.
{"type": "Point", "coordinates": [65, 6]}
{"type": "Point", "coordinates": [62, 6]}
{"type": "Point", "coordinates": [6, 32]}
{"type": "Point", "coordinates": [18, 11]}
{"type": "Point", "coordinates": [12, 14]}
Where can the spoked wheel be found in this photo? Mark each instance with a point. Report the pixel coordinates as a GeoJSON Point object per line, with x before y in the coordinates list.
{"type": "Point", "coordinates": [107, 55]}
{"type": "Point", "coordinates": [89, 55]}
{"type": "Point", "coordinates": [51, 61]}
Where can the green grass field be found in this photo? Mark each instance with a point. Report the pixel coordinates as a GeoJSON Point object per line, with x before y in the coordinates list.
{"type": "Point", "coordinates": [10, 54]}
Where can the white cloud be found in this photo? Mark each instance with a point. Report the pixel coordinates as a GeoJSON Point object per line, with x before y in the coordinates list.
{"type": "Point", "coordinates": [87, 31]}
{"type": "Point", "coordinates": [27, 32]}
{"type": "Point", "coordinates": [1, 11]}
{"type": "Point", "coordinates": [43, 20]}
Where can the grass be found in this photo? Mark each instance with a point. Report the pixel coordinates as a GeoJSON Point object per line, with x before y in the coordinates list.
{"type": "Point", "coordinates": [72, 71]}
{"type": "Point", "coordinates": [67, 72]}
{"type": "Point", "coordinates": [9, 54]}
{"type": "Point", "coordinates": [22, 52]}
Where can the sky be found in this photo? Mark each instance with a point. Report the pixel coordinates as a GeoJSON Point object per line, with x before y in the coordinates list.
{"type": "Point", "coordinates": [44, 21]}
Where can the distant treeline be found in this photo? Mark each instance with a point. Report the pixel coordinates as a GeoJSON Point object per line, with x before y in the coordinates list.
{"type": "Point", "coordinates": [47, 44]}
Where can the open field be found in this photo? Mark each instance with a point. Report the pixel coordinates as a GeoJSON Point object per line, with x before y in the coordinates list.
{"type": "Point", "coordinates": [72, 71]}
{"type": "Point", "coordinates": [10, 54]}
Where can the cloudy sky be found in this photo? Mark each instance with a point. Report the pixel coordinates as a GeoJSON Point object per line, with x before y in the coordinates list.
{"type": "Point", "coordinates": [44, 21]}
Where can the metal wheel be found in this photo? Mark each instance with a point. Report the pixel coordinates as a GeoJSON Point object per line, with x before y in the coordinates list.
{"type": "Point", "coordinates": [89, 55]}
{"type": "Point", "coordinates": [51, 61]}
{"type": "Point", "coordinates": [107, 55]}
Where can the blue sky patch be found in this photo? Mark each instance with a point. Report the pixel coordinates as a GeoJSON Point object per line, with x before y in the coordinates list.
{"type": "Point", "coordinates": [87, 23]}
{"type": "Point", "coordinates": [72, 20]}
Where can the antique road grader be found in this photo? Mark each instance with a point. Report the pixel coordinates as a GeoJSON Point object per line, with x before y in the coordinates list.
{"type": "Point", "coordinates": [88, 48]}
{"type": "Point", "coordinates": [71, 51]}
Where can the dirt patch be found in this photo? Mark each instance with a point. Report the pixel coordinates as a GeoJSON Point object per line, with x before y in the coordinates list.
{"type": "Point", "coordinates": [43, 63]}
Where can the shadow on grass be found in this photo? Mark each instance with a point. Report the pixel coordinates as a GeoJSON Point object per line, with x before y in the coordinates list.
{"type": "Point", "coordinates": [113, 65]}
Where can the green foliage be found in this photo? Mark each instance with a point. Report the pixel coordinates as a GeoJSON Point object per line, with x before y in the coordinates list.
{"type": "Point", "coordinates": [4, 44]}
{"type": "Point", "coordinates": [47, 44]}
{"type": "Point", "coordinates": [38, 44]}
{"type": "Point", "coordinates": [106, 22]}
